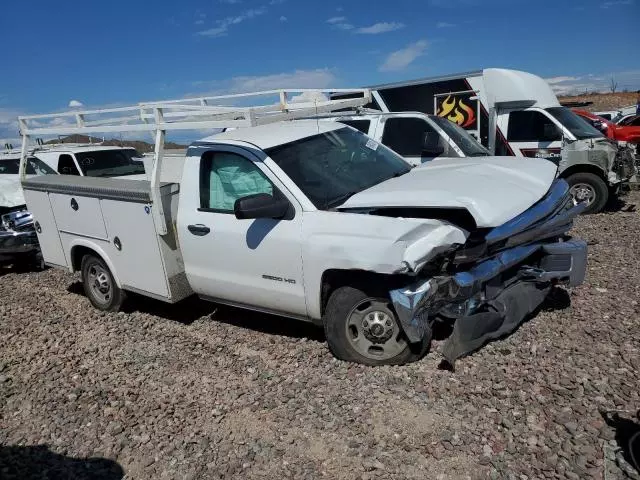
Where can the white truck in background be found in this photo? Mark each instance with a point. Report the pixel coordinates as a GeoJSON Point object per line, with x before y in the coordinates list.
{"type": "Point", "coordinates": [316, 221]}
{"type": "Point", "coordinates": [415, 136]}
{"type": "Point", "coordinates": [516, 113]}
{"type": "Point", "coordinates": [18, 240]}
{"type": "Point", "coordinates": [92, 160]}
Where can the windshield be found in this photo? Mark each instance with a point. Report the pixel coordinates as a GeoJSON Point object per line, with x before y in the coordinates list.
{"type": "Point", "coordinates": [572, 122]}
{"type": "Point", "coordinates": [35, 166]}
{"type": "Point", "coordinates": [110, 163]}
{"type": "Point", "coordinates": [463, 139]}
{"type": "Point", "coordinates": [332, 166]}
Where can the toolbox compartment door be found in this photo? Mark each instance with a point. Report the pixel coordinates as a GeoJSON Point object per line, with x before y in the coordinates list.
{"type": "Point", "coordinates": [46, 228]}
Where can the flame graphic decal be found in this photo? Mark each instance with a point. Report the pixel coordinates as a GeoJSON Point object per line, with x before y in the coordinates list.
{"type": "Point", "coordinates": [457, 111]}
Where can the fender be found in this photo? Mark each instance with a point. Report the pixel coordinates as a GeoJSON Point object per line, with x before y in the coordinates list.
{"type": "Point", "coordinates": [88, 243]}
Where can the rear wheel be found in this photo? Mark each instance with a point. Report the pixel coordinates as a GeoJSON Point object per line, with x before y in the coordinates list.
{"type": "Point", "coordinates": [364, 329]}
{"type": "Point", "coordinates": [590, 188]}
{"type": "Point", "coordinates": [99, 285]}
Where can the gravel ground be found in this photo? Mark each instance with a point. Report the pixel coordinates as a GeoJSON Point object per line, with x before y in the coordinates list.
{"type": "Point", "coordinates": [195, 391]}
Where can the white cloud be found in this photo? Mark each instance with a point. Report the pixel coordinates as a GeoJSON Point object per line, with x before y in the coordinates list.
{"type": "Point", "coordinates": [343, 26]}
{"type": "Point", "coordinates": [199, 22]}
{"type": "Point", "coordinates": [283, 18]}
{"type": "Point", "coordinates": [9, 131]}
{"type": "Point", "coordinates": [223, 25]}
{"type": "Point", "coordinates": [214, 32]}
{"type": "Point", "coordinates": [277, 2]}
{"type": "Point", "coordinates": [381, 27]}
{"type": "Point", "coordinates": [231, 2]}
{"type": "Point", "coordinates": [445, 25]}
{"type": "Point", "coordinates": [311, 96]}
{"type": "Point", "coordinates": [572, 85]}
{"type": "Point", "coordinates": [334, 20]}
{"type": "Point", "coordinates": [319, 78]}
{"type": "Point", "coordinates": [402, 58]}
{"type": "Point", "coordinates": [561, 79]}
{"type": "Point", "coordinates": [76, 104]}
{"type": "Point", "coordinates": [616, 3]}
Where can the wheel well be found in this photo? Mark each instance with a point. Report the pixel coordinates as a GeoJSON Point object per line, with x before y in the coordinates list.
{"type": "Point", "coordinates": [373, 283]}
{"type": "Point", "coordinates": [584, 168]}
{"type": "Point", "coordinates": [78, 253]}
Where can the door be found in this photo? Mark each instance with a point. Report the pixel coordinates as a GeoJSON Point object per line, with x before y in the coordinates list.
{"type": "Point", "coordinates": [411, 137]}
{"type": "Point", "coordinates": [532, 133]}
{"type": "Point", "coordinates": [255, 262]}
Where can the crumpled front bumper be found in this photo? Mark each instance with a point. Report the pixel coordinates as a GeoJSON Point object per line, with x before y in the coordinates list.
{"type": "Point", "coordinates": [17, 235]}
{"type": "Point", "coordinates": [495, 295]}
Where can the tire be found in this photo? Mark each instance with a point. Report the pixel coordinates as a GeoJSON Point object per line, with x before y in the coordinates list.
{"type": "Point", "coordinates": [348, 309]}
{"type": "Point", "coordinates": [583, 185]}
{"type": "Point", "coordinates": [99, 285]}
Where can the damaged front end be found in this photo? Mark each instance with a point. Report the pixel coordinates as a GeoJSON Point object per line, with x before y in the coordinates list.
{"type": "Point", "coordinates": [18, 239]}
{"type": "Point", "coordinates": [491, 287]}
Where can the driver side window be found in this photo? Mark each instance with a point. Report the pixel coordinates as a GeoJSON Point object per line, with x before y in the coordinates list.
{"type": "Point", "coordinates": [406, 135]}
{"type": "Point", "coordinates": [225, 177]}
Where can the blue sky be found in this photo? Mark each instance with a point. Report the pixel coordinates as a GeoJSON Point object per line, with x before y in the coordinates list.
{"type": "Point", "coordinates": [118, 52]}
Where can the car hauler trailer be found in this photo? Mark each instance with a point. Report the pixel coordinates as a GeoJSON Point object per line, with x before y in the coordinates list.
{"type": "Point", "coordinates": [517, 113]}
{"type": "Point", "coordinates": [315, 221]}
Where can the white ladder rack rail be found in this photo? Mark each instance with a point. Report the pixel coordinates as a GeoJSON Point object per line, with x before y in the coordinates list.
{"type": "Point", "coordinates": [182, 114]}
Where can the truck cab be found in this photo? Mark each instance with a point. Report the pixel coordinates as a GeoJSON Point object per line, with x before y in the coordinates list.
{"type": "Point", "coordinates": [417, 137]}
{"type": "Point", "coordinates": [93, 160]}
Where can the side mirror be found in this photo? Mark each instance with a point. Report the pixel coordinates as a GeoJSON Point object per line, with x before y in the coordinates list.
{"type": "Point", "coordinates": [433, 146]}
{"type": "Point", "coordinates": [260, 205]}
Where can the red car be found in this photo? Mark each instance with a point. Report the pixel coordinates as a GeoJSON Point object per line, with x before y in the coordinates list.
{"type": "Point", "coordinates": [620, 133]}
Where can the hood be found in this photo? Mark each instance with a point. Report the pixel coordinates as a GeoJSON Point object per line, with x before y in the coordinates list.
{"type": "Point", "coordinates": [492, 189]}
{"type": "Point", "coordinates": [10, 191]}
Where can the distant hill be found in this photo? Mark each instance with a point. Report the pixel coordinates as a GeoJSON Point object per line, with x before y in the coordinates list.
{"type": "Point", "coordinates": [603, 101]}
{"type": "Point", "coordinates": [139, 145]}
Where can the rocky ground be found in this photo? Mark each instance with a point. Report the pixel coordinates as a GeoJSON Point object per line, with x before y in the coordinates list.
{"type": "Point", "coordinates": [199, 391]}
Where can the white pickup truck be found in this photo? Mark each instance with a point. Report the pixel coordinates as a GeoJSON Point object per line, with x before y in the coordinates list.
{"type": "Point", "coordinates": [316, 221]}
{"type": "Point", "coordinates": [416, 136]}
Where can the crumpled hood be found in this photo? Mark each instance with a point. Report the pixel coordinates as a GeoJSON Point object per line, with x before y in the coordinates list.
{"type": "Point", "coordinates": [10, 191]}
{"type": "Point", "coordinates": [492, 189]}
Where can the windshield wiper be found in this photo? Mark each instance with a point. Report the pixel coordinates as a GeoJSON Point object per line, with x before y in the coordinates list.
{"type": "Point", "coordinates": [478, 154]}
{"type": "Point", "coordinates": [339, 200]}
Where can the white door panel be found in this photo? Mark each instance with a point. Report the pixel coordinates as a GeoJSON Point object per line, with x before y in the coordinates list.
{"type": "Point", "coordinates": [525, 134]}
{"type": "Point", "coordinates": [255, 262]}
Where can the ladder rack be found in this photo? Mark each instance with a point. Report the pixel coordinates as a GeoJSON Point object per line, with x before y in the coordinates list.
{"type": "Point", "coordinates": [186, 114]}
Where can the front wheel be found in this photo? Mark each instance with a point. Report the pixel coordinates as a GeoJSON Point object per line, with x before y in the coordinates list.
{"type": "Point", "coordinates": [99, 285]}
{"type": "Point", "coordinates": [364, 329]}
{"type": "Point", "coordinates": [589, 188]}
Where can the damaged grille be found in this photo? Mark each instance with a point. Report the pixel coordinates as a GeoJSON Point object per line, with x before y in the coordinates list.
{"type": "Point", "coordinates": [551, 217]}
